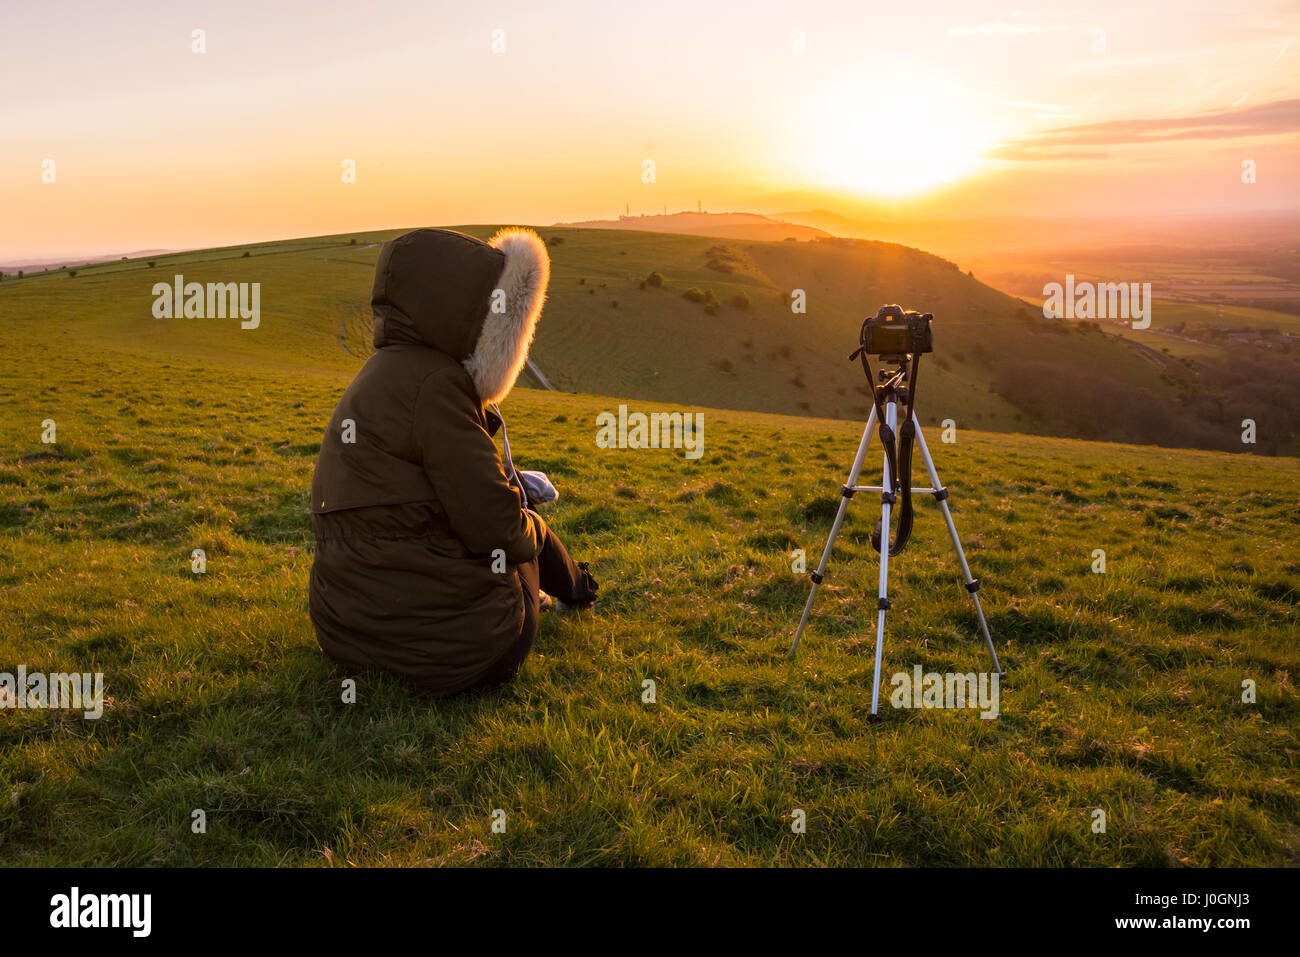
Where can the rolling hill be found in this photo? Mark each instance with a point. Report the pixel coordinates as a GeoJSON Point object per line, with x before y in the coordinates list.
{"type": "Point", "coordinates": [998, 365]}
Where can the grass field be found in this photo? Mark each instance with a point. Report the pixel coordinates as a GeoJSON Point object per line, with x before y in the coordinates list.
{"type": "Point", "coordinates": [1124, 689]}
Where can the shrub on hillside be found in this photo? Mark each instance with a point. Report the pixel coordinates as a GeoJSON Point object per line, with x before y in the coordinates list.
{"type": "Point", "coordinates": [655, 279]}
{"type": "Point", "coordinates": [740, 300]}
{"type": "Point", "coordinates": [722, 259]}
{"type": "Point", "coordinates": [705, 297]}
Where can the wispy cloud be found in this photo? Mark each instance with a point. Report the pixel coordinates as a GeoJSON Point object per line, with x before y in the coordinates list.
{"type": "Point", "coordinates": [1075, 142]}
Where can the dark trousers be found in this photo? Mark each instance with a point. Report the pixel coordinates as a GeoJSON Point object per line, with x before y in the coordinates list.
{"type": "Point", "coordinates": [553, 572]}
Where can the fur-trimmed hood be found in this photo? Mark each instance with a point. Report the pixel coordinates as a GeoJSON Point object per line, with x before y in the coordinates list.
{"type": "Point", "coordinates": [477, 302]}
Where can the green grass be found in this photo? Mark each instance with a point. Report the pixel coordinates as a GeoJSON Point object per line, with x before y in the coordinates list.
{"type": "Point", "coordinates": [1123, 692]}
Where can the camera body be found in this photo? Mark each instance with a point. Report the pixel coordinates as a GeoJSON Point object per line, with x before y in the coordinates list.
{"type": "Point", "coordinates": [894, 331]}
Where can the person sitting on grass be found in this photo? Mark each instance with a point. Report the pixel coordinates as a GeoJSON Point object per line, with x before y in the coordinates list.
{"type": "Point", "coordinates": [429, 560]}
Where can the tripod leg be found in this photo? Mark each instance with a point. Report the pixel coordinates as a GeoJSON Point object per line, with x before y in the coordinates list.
{"type": "Point", "coordinates": [882, 601]}
{"type": "Point", "coordinates": [835, 528]}
{"type": "Point", "coordinates": [972, 583]}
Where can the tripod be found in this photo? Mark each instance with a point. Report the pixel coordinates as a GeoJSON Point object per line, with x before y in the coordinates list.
{"type": "Point", "coordinates": [887, 394]}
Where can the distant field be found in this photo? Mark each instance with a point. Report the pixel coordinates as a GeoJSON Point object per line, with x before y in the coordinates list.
{"type": "Point", "coordinates": [1124, 690]}
{"type": "Point", "coordinates": [1215, 334]}
{"type": "Point", "coordinates": [1244, 290]}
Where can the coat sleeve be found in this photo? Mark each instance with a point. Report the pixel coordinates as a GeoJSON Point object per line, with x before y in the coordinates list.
{"type": "Point", "coordinates": [461, 460]}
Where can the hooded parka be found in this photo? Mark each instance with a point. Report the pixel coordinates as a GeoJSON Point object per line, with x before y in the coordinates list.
{"type": "Point", "coordinates": [413, 516]}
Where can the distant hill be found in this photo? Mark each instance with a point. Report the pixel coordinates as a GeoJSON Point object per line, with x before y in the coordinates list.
{"type": "Point", "coordinates": [989, 236]}
{"type": "Point", "coordinates": [722, 225]}
{"type": "Point", "coordinates": [718, 332]}
{"type": "Point", "coordinates": [1243, 260]}
{"type": "Point", "coordinates": [39, 265]}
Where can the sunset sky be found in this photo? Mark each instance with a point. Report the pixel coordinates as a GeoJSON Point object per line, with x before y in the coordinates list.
{"type": "Point", "coordinates": [931, 109]}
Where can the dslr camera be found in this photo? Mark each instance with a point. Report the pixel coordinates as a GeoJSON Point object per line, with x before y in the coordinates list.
{"type": "Point", "coordinates": [894, 331]}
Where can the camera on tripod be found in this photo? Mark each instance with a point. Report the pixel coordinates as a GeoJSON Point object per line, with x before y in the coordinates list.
{"type": "Point", "coordinates": [894, 331]}
{"type": "Point", "coordinates": [899, 337]}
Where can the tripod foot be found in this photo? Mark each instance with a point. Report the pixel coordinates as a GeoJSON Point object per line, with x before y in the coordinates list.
{"type": "Point", "coordinates": [873, 719]}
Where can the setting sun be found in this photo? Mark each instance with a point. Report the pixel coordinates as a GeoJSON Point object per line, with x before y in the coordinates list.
{"type": "Point", "coordinates": [892, 130]}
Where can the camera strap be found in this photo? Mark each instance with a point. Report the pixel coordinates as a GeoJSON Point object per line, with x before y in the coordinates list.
{"type": "Point", "coordinates": [903, 480]}
{"type": "Point", "coordinates": [898, 453]}
{"type": "Point", "coordinates": [886, 433]}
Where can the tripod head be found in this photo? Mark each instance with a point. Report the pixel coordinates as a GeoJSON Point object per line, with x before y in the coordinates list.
{"type": "Point", "coordinates": [893, 381]}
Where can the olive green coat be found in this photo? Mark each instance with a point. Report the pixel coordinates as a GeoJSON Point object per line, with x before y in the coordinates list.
{"type": "Point", "coordinates": [418, 532]}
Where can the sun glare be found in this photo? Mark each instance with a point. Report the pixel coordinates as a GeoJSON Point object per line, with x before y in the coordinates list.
{"type": "Point", "coordinates": [892, 131]}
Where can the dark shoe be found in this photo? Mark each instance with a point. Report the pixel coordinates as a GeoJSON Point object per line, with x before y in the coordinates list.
{"type": "Point", "coordinates": [584, 594]}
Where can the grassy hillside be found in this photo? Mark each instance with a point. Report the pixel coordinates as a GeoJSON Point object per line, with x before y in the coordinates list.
{"type": "Point", "coordinates": [999, 364]}
{"type": "Point", "coordinates": [1124, 688]}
